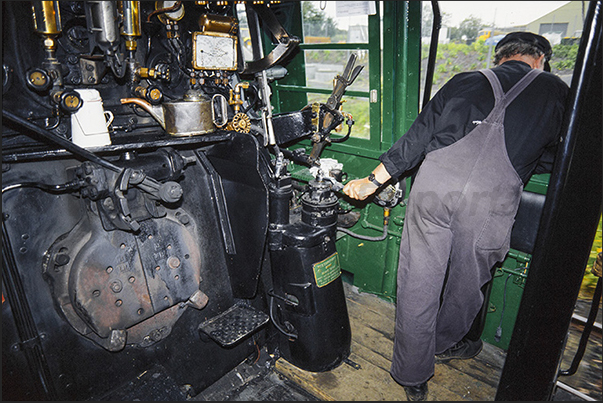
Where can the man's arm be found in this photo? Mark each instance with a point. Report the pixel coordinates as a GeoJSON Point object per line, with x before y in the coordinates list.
{"type": "Point", "coordinates": [406, 152]}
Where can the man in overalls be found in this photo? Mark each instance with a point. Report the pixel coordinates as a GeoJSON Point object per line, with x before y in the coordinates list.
{"type": "Point", "coordinates": [478, 141]}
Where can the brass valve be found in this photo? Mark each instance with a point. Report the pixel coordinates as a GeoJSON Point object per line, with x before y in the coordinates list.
{"type": "Point", "coordinates": [155, 73]}
{"type": "Point", "coordinates": [240, 123]}
{"type": "Point", "coordinates": [235, 96]}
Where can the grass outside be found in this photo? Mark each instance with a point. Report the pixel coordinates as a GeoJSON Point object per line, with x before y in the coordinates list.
{"type": "Point", "coordinates": [589, 281]}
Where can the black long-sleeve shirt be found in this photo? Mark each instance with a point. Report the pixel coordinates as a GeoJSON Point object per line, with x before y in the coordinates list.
{"type": "Point", "coordinates": [532, 121]}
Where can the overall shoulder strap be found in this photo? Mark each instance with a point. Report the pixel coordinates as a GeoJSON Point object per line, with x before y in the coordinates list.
{"type": "Point", "coordinates": [521, 85]}
{"type": "Point", "coordinates": [514, 91]}
{"type": "Point", "coordinates": [495, 84]}
{"type": "Point", "coordinates": [502, 100]}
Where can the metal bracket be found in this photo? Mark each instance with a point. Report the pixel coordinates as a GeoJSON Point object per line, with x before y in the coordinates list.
{"type": "Point", "coordinates": [286, 43]}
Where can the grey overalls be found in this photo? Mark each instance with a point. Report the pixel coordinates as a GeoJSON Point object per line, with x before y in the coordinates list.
{"type": "Point", "coordinates": [461, 207]}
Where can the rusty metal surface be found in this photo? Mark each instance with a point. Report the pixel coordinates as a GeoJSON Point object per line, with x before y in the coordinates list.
{"type": "Point", "coordinates": [113, 281]}
{"type": "Point", "coordinates": [170, 258]}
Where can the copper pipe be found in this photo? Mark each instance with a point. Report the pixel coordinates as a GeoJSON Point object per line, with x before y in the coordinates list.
{"type": "Point", "coordinates": [165, 10]}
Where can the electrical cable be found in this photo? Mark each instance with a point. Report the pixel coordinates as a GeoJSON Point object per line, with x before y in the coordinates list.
{"type": "Point", "coordinates": [65, 187]}
{"type": "Point", "coordinates": [382, 237]}
{"type": "Point", "coordinates": [283, 331]}
{"type": "Point", "coordinates": [364, 237]}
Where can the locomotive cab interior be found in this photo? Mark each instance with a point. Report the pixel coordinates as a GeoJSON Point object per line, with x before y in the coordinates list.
{"type": "Point", "coordinates": [172, 205]}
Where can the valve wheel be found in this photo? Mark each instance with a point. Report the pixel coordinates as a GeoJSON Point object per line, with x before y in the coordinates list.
{"type": "Point", "coordinates": [241, 123]}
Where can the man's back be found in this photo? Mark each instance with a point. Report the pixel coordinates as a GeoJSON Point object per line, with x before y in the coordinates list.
{"type": "Point", "coordinates": [532, 121]}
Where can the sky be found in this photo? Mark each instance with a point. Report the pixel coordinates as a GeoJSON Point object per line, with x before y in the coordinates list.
{"type": "Point", "coordinates": [502, 13]}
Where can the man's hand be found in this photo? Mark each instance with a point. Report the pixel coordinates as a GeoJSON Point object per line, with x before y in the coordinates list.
{"type": "Point", "coordinates": [362, 188]}
{"type": "Point", "coordinates": [359, 188]}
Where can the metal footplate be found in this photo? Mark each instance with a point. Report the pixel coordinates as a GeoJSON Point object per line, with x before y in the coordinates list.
{"type": "Point", "coordinates": [234, 324]}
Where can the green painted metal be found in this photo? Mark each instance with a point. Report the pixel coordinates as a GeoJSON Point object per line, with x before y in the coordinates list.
{"type": "Point", "coordinates": [374, 263]}
{"type": "Point", "coordinates": [375, 79]}
{"type": "Point", "coordinates": [394, 67]}
{"type": "Point", "coordinates": [401, 68]}
{"type": "Point", "coordinates": [508, 283]}
{"type": "Point", "coordinates": [507, 290]}
{"type": "Point", "coordinates": [538, 183]}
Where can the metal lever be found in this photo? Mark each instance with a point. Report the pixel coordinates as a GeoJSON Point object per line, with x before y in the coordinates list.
{"type": "Point", "coordinates": [285, 46]}
{"type": "Point", "coordinates": [169, 192]}
{"type": "Point", "coordinates": [343, 81]}
{"type": "Point", "coordinates": [336, 186]}
{"type": "Point", "coordinates": [320, 139]}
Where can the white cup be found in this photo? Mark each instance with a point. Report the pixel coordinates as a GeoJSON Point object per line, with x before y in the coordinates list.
{"type": "Point", "coordinates": [89, 125]}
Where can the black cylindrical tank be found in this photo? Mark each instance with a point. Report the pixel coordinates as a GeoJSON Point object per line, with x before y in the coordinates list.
{"type": "Point", "coordinates": [307, 302]}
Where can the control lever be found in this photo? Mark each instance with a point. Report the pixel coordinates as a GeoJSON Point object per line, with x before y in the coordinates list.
{"type": "Point", "coordinates": [321, 138]}
{"type": "Point", "coordinates": [336, 186]}
{"type": "Point", "coordinates": [343, 81]}
{"type": "Point", "coordinates": [169, 192]}
{"type": "Point", "coordinates": [285, 42]}
{"type": "Point", "coordinates": [389, 196]}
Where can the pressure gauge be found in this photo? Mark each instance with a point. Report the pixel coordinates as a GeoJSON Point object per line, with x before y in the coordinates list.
{"type": "Point", "coordinates": [214, 51]}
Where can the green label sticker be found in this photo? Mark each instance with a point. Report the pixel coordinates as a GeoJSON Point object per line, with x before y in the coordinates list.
{"type": "Point", "coordinates": [327, 270]}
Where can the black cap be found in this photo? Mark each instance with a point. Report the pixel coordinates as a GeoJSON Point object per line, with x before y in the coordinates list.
{"type": "Point", "coordinates": [527, 37]}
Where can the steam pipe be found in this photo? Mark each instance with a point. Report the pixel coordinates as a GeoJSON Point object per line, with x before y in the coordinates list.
{"type": "Point", "coordinates": [47, 23]}
{"type": "Point", "coordinates": [386, 212]}
{"type": "Point", "coordinates": [130, 12]}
